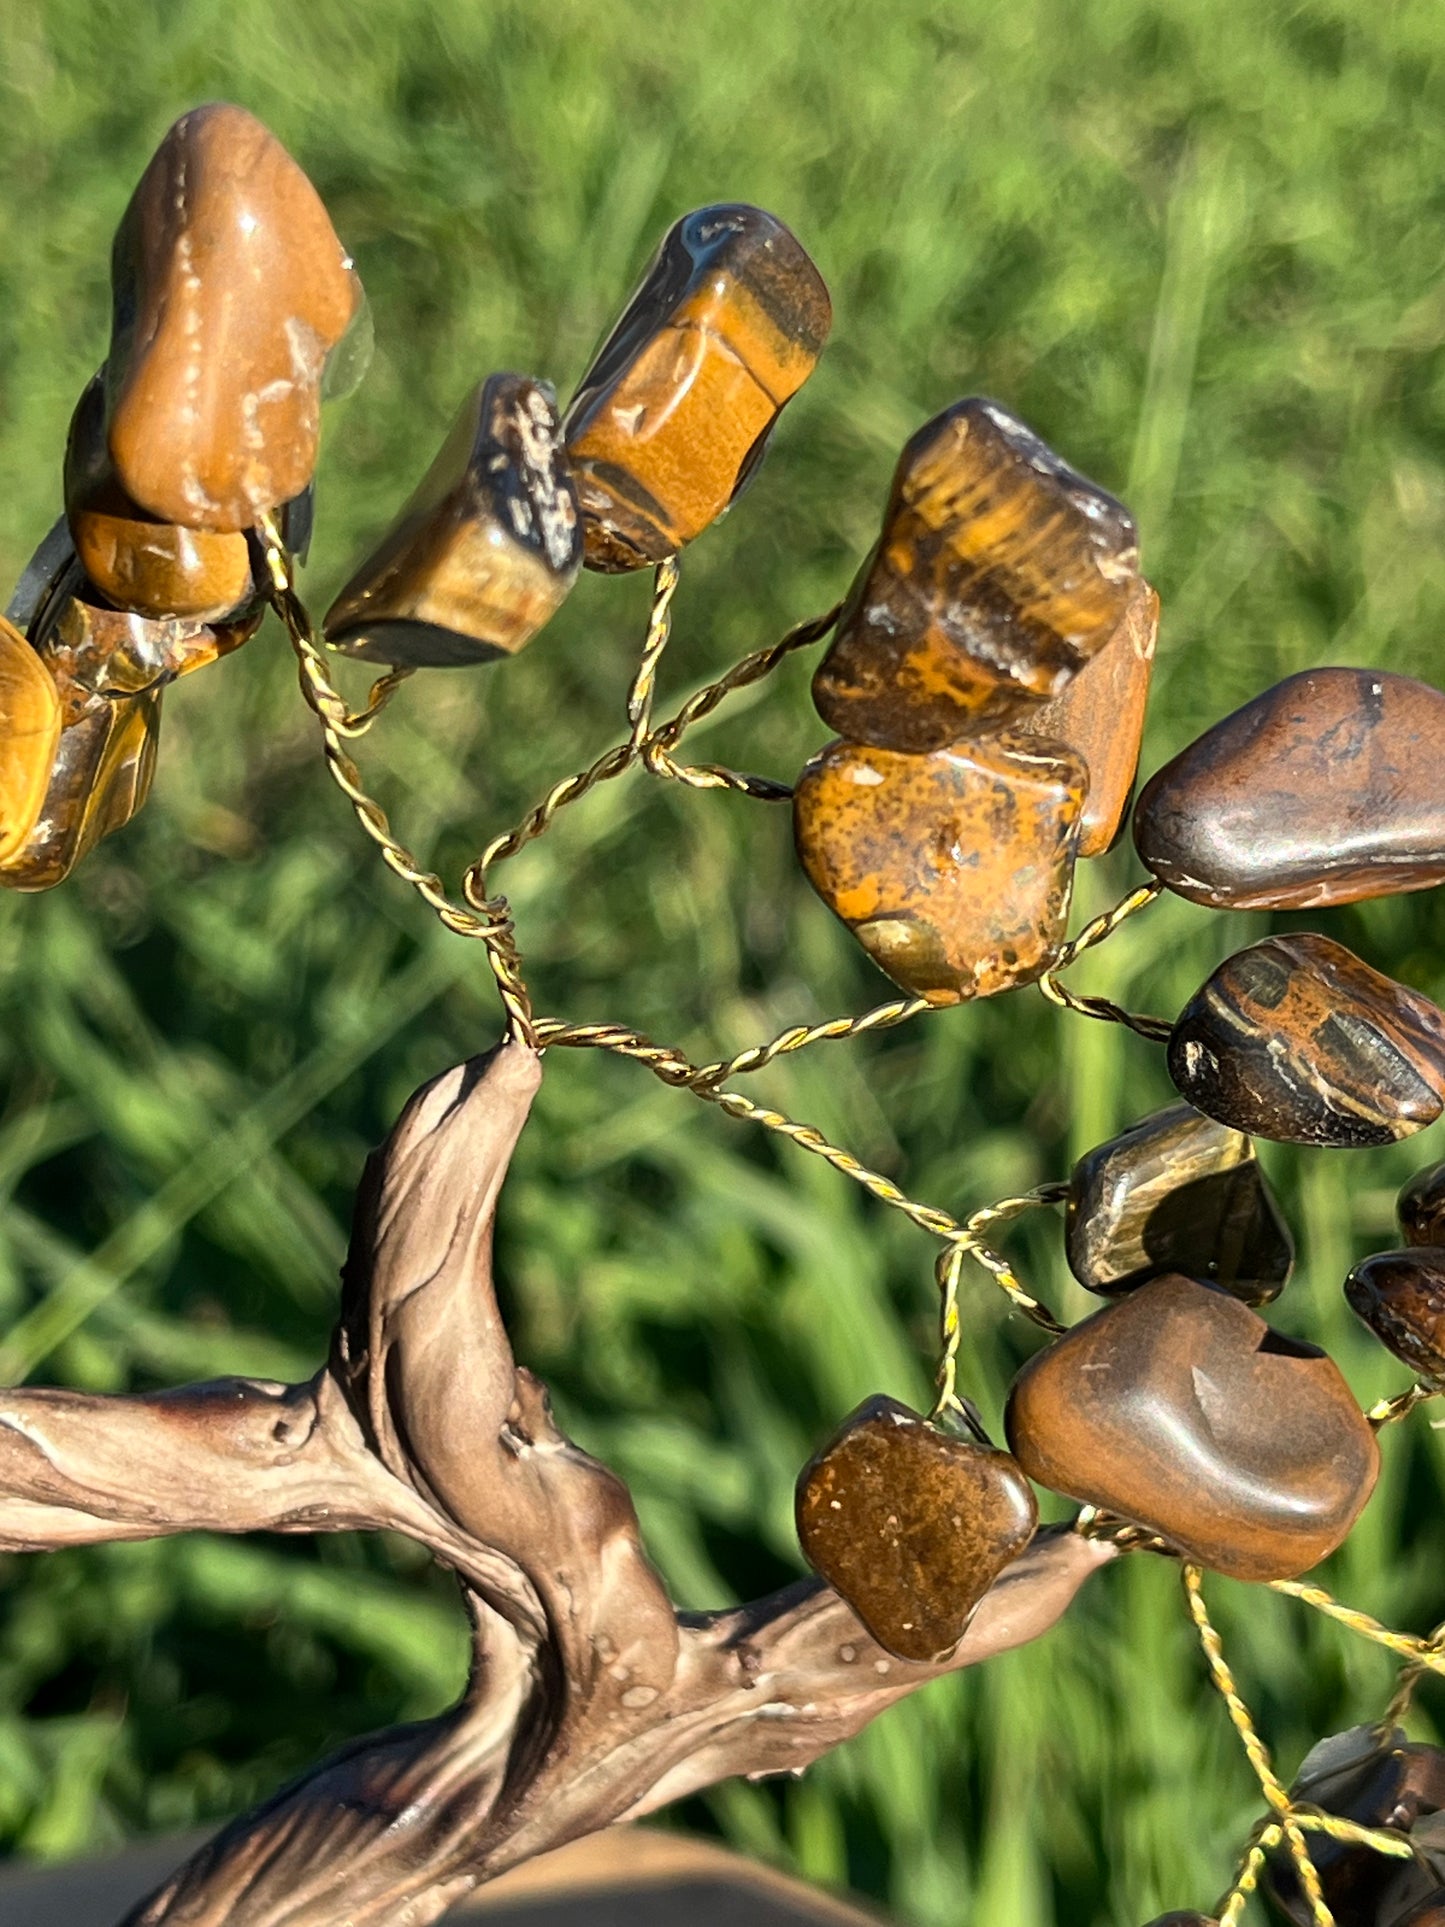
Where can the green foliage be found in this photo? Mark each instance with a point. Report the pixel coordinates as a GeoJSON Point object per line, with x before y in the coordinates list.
{"type": "Point", "coordinates": [1197, 244]}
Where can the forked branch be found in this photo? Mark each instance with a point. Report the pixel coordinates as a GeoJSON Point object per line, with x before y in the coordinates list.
{"type": "Point", "coordinates": [590, 1700]}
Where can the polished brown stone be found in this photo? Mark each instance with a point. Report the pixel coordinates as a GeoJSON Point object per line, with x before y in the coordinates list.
{"type": "Point", "coordinates": [911, 1525]}
{"type": "Point", "coordinates": [952, 870]}
{"type": "Point", "coordinates": [486, 549]}
{"type": "Point", "coordinates": [1296, 1039]}
{"type": "Point", "coordinates": [92, 651]}
{"type": "Point", "coordinates": [1179, 1409]}
{"type": "Point", "coordinates": [100, 777]}
{"type": "Point", "coordinates": [1176, 1192]}
{"type": "Point", "coordinates": [1327, 788]}
{"type": "Point", "coordinates": [153, 569]}
{"type": "Point", "coordinates": [1421, 1207]}
{"type": "Point", "coordinates": [999, 574]}
{"type": "Point", "coordinates": [1373, 1779]}
{"type": "Point", "coordinates": [231, 291]}
{"type": "Point", "coordinates": [675, 411]}
{"type": "Point", "coordinates": [1101, 715]}
{"type": "Point", "coordinates": [29, 737]}
{"type": "Point", "coordinates": [1401, 1297]}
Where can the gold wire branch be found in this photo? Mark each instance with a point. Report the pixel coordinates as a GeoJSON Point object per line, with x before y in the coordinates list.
{"type": "Point", "coordinates": [1157, 1029]}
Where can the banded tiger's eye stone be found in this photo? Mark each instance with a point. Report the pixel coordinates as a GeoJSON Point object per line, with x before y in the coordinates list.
{"type": "Point", "coordinates": [1180, 1410]}
{"type": "Point", "coordinates": [999, 574]}
{"type": "Point", "coordinates": [910, 1525]}
{"type": "Point", "coordinates": [1401, 1297]}
{"type": "Point", "coordinates": [1296, 1039]}
{"type": "Point", "coordinates": [29, 737]}
{"type": "Point", "coordinates": [100, 777]}
{"type": "Point", "coordinates": [1176, 1192]}
{"type": "Point", "coordinates": [486, 549]}
{"type": "Point", "coordinates": [952, 870]}
{"type": "Point", "coordinates": [97, 652]}
{"type": "Point", "coordinates": [1421, 1207]}
{"type": "Point", "coordinates": [675, 411]}
{"type": "Point", "coordinates": [230, 292]}
{"type": "Point", "coordinates": [1327, 788]}
{"type": "Point", "coordinates": [1101, 715]}
{"type": "Point", "coordinates": [150, 568]}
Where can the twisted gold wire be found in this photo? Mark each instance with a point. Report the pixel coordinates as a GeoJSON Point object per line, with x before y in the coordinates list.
{"type": "Point", "coordinates": [490, 922]}
{"type": "Point", "coordinates": [1275, 1792]}
{"type": "Point", "coordinates": [1157, 1029]}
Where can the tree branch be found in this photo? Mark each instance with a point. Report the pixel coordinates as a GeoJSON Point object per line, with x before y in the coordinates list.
{"type": "Point", "coordinates": [590, 1700]}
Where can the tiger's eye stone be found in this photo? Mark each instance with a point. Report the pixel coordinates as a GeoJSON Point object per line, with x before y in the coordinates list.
{"type": "Point", "coordinates": [1327, 788]}
{"type": "Point", "coordinates": [952, 870]}
{"type": "Point", "coordinates": [1420, 1207]}
{"type": "Point", "coordinates": [29, 736]}
{"type": "Point", "coordinates": [1101, 715]}
{"type": "Point", "coordinates": [1373, 1780]}
{"type": "Point", "coordinates": [911, 1525]}
{"type": "Point", "coordinates": [486, 549]}
{"type": "Point", "coordinates": [1296, 1039]}
{"type": "Point", "coordinates": [230, 292]}
{"type": "Point", "coordinates": [1176, 1192]}
{"type": "Point", "coordinates": [1179, 1409]}
{"type": "Point", "coordinates": [676, 409]}
{"type": "Point", "coordinates": [1401, 1297]}
{"type": "Point", "coordinates": [153, 569]}
{"type": "Point", "coordinates": [100, 777]}
{"type": "Point", "coordinates": [999, 574]}
{"type": "Point", "coordinates": [95, 652]}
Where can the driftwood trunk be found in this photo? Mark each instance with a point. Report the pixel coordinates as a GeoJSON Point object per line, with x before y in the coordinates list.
{"type": "Point", "coordinates": [590, 1699]}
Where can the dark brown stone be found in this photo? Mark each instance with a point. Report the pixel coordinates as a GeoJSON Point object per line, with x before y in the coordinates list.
{"type": "Point", "coordinates": [231, 292]}
{"type": "Point", "coordinates": [1421, 1207]}
{"type": "Point", "coordinates": [1101, 715]}
{"type": "Point", "coordinates": [911, 1525]}
{"type": "Point", "coordinates": [1179, 1409]}
{"type": "Point", "coordinates": [486, 549]}
{"type": "Point", "coordinates": [1327, 788]}
{"type": "Point", "coordinates": [1296, 1039]}
{"type": "Point", "coordinates": [1401, 1297]}
{"type": "Point", "coordinates": [1374, 1780]}
{"type": "Point", "coordinates": [30, 724]}
{"type": "Point", "coordinates": [999, 574]}
{"type": "Point", "coordinates": [153, 569]}
{"type": "Point", "coordinates": [952, 870]}
{"type": "Point", "coordinates": [100, 777]}
{"type": "Point", "coordinates": [675, 411]}
{"type": "Point", "coordinates": [1176, 1192]}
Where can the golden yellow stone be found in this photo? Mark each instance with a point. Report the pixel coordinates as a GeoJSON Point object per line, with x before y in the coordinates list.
{"type": "Point", "coordinates": [29, 736]}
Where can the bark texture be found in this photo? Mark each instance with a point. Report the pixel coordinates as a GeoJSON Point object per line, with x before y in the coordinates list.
{"type": "Point", "coordinates": [590, 1699]}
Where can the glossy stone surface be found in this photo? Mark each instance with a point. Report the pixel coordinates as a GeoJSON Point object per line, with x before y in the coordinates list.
{"type": "Point", "coordinates": [911, 1525]}
{"type": "Point", "coordinates": [952, 870]}
{"type": "Point", "coordinates": [1420, 1207]}
{"type": "Point", "coordinates": [1101, 715]}
{"type": "Point", "coordinates": [1401, 1297]}
{"type": "Point", "coordinates": [1327, 788]}
{"type": "Point", "coordinates": [93, 651]}
{"type": "Point", "coordinates": [154, 569]}
{"type": "Point", "coordinates": [999, 574]}
{"type": "Point", "coordinates": [1375, 1780]}
{"type": "Point", "coordinates": [675, 411]}
{"type": "Point", "coordinates": [486, 549]}
{"type": "Point", "coordinates": [1179, 1409]}
{"type": "Point", "coordinates": [230, 292]}
{"type": "Point", "coordinates": [1296, 1039]}
{"type": "Point", "coordinates": [1176, 1192]}
{"type": "Point", "coordinates": [101, 776]}
{"type": "Point", "coordinates": [29, 737]}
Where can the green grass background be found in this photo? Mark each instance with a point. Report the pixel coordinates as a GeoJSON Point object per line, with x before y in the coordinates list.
{"type": "Point", "coordinates": [1198, 245]}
